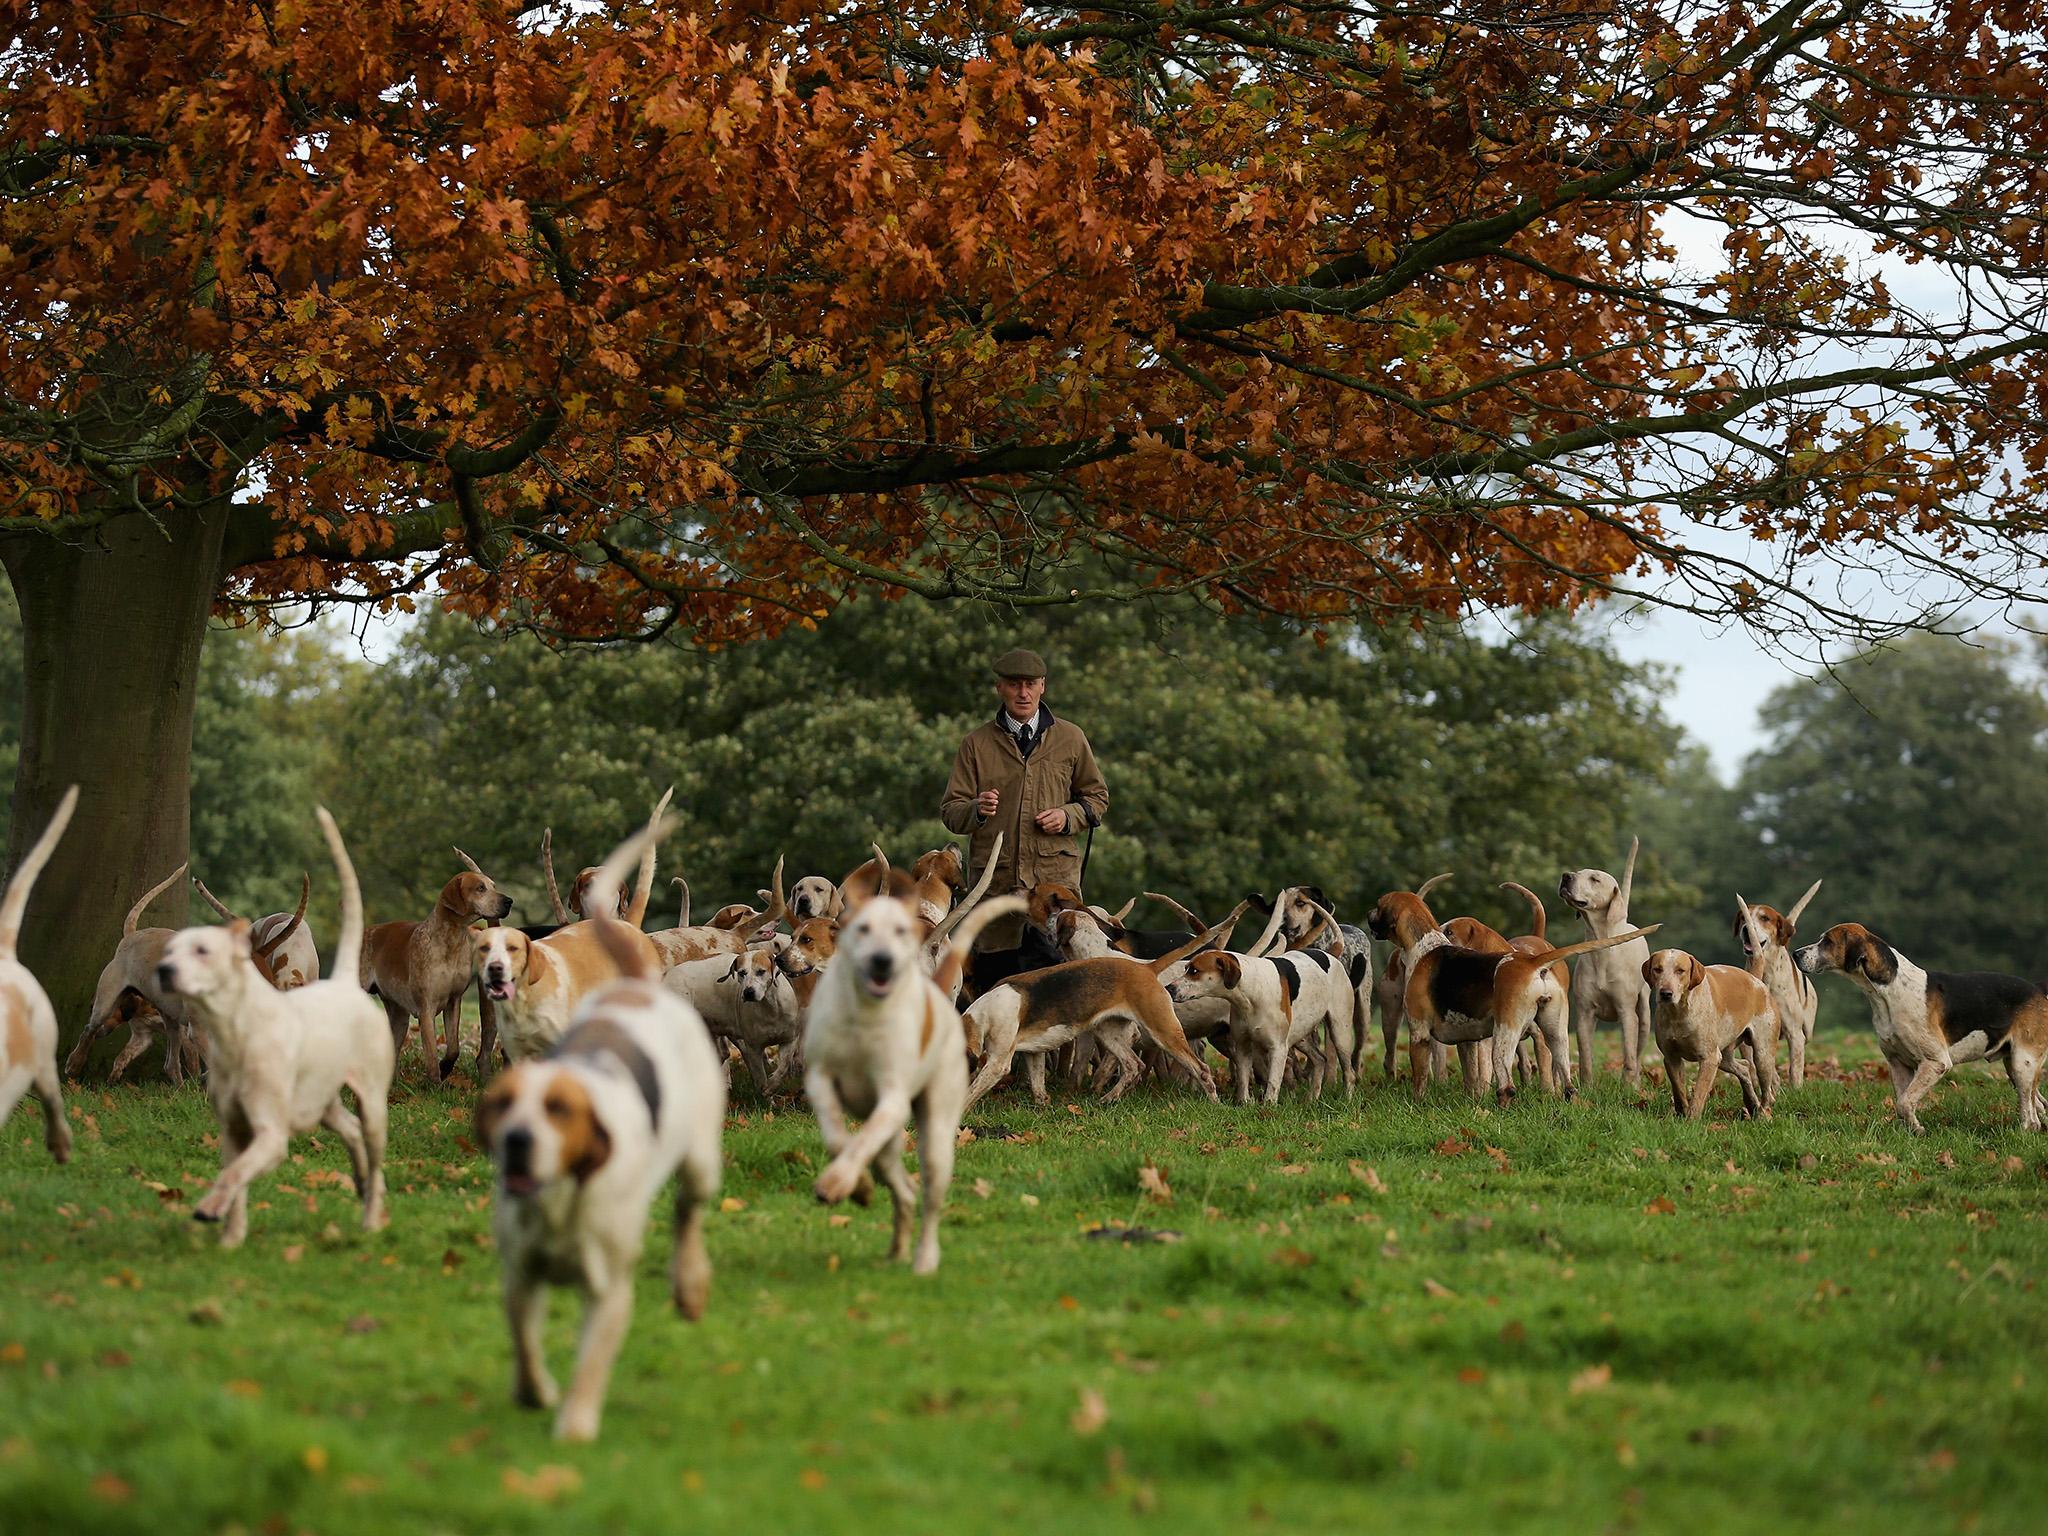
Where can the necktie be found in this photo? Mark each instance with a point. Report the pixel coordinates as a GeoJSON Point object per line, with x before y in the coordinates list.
{"type": "Point", "coordinates": [1024, 741]}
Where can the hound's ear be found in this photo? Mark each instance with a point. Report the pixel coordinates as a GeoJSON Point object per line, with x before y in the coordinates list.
{"type": "Point", "coordinates": [586, 1144]}
{"type": "Point", "coordinates": [1697, 976]}
{"type": "Point", "coordinates": [238, 937]}
{"type": "Point", "coordinates": [1647, 964]}
{"type": "Point", "coordinates": [491, 1107]}
{"type": "Point", "coordinates": [739, 963]}
{"type": "Point", "coordinates": [1259, 902]}
{"type": "Point", "coordinates": [1782, 926]}
{"type": "Point", "coordinates": [1230, 969]}
{"type": "Point", "coordinates": [1876, 958]}
{"type": "Point", "coordinates": [1315, 894]}
{"type": "Point", "coordinates": [536, 963]}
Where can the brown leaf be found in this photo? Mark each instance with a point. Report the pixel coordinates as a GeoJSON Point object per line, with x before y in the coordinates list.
{"type": "Point", "coordinates": [1594, 1378]}
{"type": "Point", "coordinates": [1369, 1177]}
{"type": "Point", "coordinates": [1437, 1289]}
{"type": "Point", "coordinates": [732, 1203]}
{"type": "Point", "coordinates": [241, 1386]}
{"type": "Point", "coordinates": [1471, 1376]}
{"type": "Point", "coordinates": [1152, 1180]}
{"type": "Point", "coordinates": [547, 1484]}
{"type": "Point", "coordinates": [1661, 1206]}
{"type": "Point", "coordinates": [1090, 1414]}
{"type": "Point", "coordinates": [110, 1489]}
{"type": "Point", "coordinates": [983, 1189]}
{"type": "Point", "coordinates": [812, 1478]}
{"type": "Point", "coordinates": [1291, 1257]}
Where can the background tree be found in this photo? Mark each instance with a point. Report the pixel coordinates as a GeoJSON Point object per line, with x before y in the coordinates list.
{"type": "Point", "coordinates": [671, 319]}
{"type": "Point", "coordinates": [1919, 787]}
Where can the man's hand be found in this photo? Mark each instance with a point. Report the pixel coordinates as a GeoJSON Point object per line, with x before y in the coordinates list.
{"type": "Point", "coordinates": [985, 803]}
{"type": "Point", "coordinates": [1052, 821]}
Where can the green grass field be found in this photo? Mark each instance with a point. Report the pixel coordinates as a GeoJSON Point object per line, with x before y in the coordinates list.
{"type": "Point", "coordinates": [1378, 1317]}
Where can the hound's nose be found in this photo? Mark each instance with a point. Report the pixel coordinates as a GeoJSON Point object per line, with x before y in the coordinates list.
{"type": "Point", "coordinates": [880, 969]}
{"type": "Point", "coordinates": [518, 1146]}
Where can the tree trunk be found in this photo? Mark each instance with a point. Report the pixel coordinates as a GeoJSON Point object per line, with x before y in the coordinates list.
{"type": "Point", "coordinates": [111, 633]}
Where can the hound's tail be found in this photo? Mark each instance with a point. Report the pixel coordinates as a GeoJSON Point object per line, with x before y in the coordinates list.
{"type": "Point", "coordinates": [1201, 940]}
{"type": "Point", "coordinates": [1586, 946]}
{"type": "Point", "coordinates": [135, 912]}
{"type": "Point", "coordinates": [348, 948]}
{"type": "Point", "coordinates": [1539, 919]}
{"type": "Point", "coordinates": [547, 869]}
{"type": "Point", "coordinates": [643, 888]}
{"type": "Point", "coordinates": [954, 961]}
{"type": "Point", "coordinates": [15, 903]}
{"type": "Point", "coordinates": [615, 936]}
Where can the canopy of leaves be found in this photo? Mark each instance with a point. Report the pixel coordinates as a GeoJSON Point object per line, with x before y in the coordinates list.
{"type": "Point", "coordinates": [658, 315]}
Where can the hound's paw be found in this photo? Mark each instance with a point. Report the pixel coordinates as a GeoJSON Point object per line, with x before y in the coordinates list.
{"type": "Point", "coordinates": [578, 1421]}
{"type": "Point", "coordinates": [540, 1392]}
{"type": "Point", "coordinates": [212, 1208]}
{"type": "Point", "coordinates": [838, 1181]}
{"type": "Point", "coordinates": [448, 1067]}
{"type": "Point", "coordinates": [60, 1147]}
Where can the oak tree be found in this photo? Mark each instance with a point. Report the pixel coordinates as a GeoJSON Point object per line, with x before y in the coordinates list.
{"type": "Point", "coordinates": [629, 321]}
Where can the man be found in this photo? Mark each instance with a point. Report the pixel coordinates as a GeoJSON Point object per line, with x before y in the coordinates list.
{"type": "Point", "coordinates": [1032, 778]}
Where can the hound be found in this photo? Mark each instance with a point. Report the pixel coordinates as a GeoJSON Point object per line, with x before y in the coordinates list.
{"type": "Point", "coordinates": [277, 1061]}
{"type": "Point", "coordinates": [883, 1041]}
{"type": "Point", "coordinates": [1276, 1004]}
{"type": "Point", "coordinates": [1470, 933]}
{"type": "Point", "coordinates": [420, 970]}
{"type": "Point", "coordinates": [582, 1140]}
{"type": "Point", "coordinates": [815, 896]}
{"type": "Point", "coordinates": [1103, 996]}
{"type": "Point", "coordinates": [281, 943]}
{"type": "Point", "coordinates": [128, 992]}
{"type": "Point", "coordinates": [1610, 987]}
{"type": "Point", "coordinates": [1456, 994]}
{"type": "Point", "coordinates": [1927, 1021]}
{"type": "Point", "coordinates": [28, 1024]}
{"type": "Point", "coordinates": [535, 985]}
{"type": "Point", "coordinates": [746, 999]}
{"type": "Point", "coordinates": [1390, 992]}
{"type": "Point", "coordinates": [930, 886]}
{"type": "Point", "coordinates": [1706, 1014]}
{"type": "Point", "coordinates": [1766, 936]}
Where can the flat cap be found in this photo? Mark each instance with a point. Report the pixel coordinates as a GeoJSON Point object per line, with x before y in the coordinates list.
{"type": "Point", "coordinates": [1020, 663]}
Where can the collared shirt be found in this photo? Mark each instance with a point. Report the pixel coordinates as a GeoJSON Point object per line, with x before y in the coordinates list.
{"type": "Point", "coordinates": [1015, 727]}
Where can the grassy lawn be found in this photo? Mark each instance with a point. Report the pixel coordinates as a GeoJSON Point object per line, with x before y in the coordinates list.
{"type": "Point", "coordinates": [1379, 1317]}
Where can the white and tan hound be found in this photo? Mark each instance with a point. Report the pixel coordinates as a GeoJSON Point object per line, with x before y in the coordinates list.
{"type": "Point", "coordinates": [1766, 937]}
{"type": "Point", "coordinates": [582, 1140]}
{"type": "Point", "coordinates": [1608, 987]}
{"type": "Point", "coordinates": [28, 1024]}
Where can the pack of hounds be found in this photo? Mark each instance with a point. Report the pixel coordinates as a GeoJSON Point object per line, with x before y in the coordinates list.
{"type": "Point", "coordinates": [618, 1043]}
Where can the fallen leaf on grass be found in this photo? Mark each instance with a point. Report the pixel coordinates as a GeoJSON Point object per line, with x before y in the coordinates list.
{"type": "Point", "coordinates": [1133, 1234]}
{"type": "Point", "coordinates": [963, 1136]}
{"type": "Point", "coordinates": [451, 1261]}
{"type": "Point", "coordinates": [362, 1322]}
{"type": "Point", "coordinates": [1500, 1160]}
{"type": "Point", "coordinates": [1152, 1181]}
{"type": "Point", "coordinates": [1594, 1378]}
{"type": "Point", "coordinates": [1292, 1258]}
{"type": "Point", "coordinates": [1091, 1413]}
{"type": "Point", "coordinates": [1946, 1158]}
{"type": "Point", "coordinates": [1624, 1453]}
{"type": "Point", "coordinates": [111, 1489]}
{"type": "Point", "coordinates": [544, 1484]}
{"type": "Point", "coordinates": [294, 1252]}
{"type": "Point", "coordinates": [732, 1203]}
{"type": "Point", "coordinates": [1369, 1177]}
{"type": "Point", "coordinates": [1941, 1460]}
{"type": "Point", "coordinates": [838, 1219]}
{"type": "Point", "coordinates": [1437, 1289]}
{"type": "Point", "coordinates": [13, 1352]}
{"type": "Point", "coordinates": [812, 1478]}
{"type": "Point", "coordinates": [1471, 1376]}
{"type": "Point", "coordinates": [1294, 1170]}
{"type": "Point", "coordinates": [207, 1314]}
{"type": "Point", "coordinates": [1661, 1206]}
{"type": "Point", "coordinates": [314, 1459]}
{"type": "Point", "coordinates": [983, 1189]}
{"type": "Point", "coordinates": [241, 1386]}
{"type": "Point", "coordinates": [1027, 1199]}
{"type": "Point", "coordinates": [1450, 1146]}
{"type": "Point", "coordinates": [115, 1359]}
